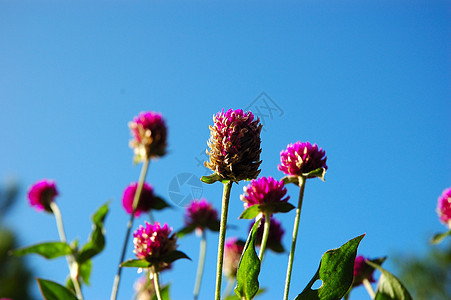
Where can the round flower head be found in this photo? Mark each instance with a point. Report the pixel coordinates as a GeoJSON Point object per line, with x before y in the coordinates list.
{"type": "Point", "coordinates": [275, 235]}
{"type": "Point", "coordinates": [232, 254]}
{"type": "Point", "coordinates": [444, 207]}
{"type": "Point", "coordinates": [149, 135]}
{"type": "Point", "coordinates": [301, 158]}
{"type": "Point", "coordinates": [235, 145]}
{"type": "Point", "coordinates": [153, 242]}
{"type": "Point", "coordinates": [265, 190]}
{"type": "Point", "coordinates": [201, 214]}
{"type": "Point", "coordinates": [146, 200]}
{"type": "Point", "coordinates": [362, 271]}
{"type": "Point", "coordinates": [41, 194]}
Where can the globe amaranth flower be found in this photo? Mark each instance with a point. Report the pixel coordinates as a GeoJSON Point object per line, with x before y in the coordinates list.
{"type": "Point", "coordinates": [201, 214]}
{"type": "Point", "coordinates": [152, 242]}
{"type": "Point", "coordinates": [444, 207]}
{"type": "Point", "coordinates": [275, 235]}
{"type": "Point", "coordinates": [362, 271]}
{"type": "Point", "coordinates": [264, 191]}
{"type": "Point", "coordinates": [149, 133]}
{"type": "Point", "coordinates": [42, 193]}
{"type": "Point", "coordinates": [301, 158]}
{"type": "Point", "coordinates": [235, 145]}
{"type": "Point", "coordinates": [146, 199]}
{"type": "Point", "coordinates": [232, 254]}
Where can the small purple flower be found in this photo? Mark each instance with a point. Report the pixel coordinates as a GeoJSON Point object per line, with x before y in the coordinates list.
{"type": "Point", "coordinates": [275, 235]}
{"type": "Point", "coordinates": [264, 190]}
{"type": "Point", "coordinates": [146, 200]}
{"type": "Point", "coordinates": [235, 145]}
{"type": "Point", "coordinates": [444, 207]}
{"type": "Point", "coordinates": [149, 135]}
{"type": "Point", "coordinates": [232, 254]}
{"type": "Point", "coordinates": [301, 158]}
{"type": "Point", "coordinates": [201, 214]}
{"type": "Point", "coordinates": [362, 271]}
{"type": "Point", "coordinates": [153, 242]}
{"type": "Point", "coordinates": [41, 194]}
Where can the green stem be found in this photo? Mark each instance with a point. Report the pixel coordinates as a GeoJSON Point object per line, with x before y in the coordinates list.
{"type": "Point", "coordinates": [265, 236]}
{"type": "Point", "coordinates": [156, 283]}
{"type": "Point", "coordinates": [222, 232]}
{"type": "Point", "coordinates": [142, 177]}
{"type": "Point", "coordinates": [302, 180]}
{"type": "Point", "coordinates": [73, 266]}
{"type": "Point", "coordinates": [369, 288]}
{"type": "Point", "coordinates": [200, 266]}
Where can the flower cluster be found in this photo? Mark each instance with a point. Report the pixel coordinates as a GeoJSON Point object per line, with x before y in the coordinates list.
{"type": "Point", "coordinates": [444, 207]}
{"type": "Point", "coordinates": [264, 191]}
{"type": "Point", "coordinates": [145, 202]}
{"type": "Point", "coordinates": [300, 159]}
{"type": "Point", "coordinates": [362, 271]}
{"type": "Point", "coordinates": [201, 214]}
{"type": "Point", "coordinates": [42, 193]}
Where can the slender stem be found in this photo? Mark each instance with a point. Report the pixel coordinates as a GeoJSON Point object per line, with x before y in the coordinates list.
{"type": "Point", "coordinates": [229, 287]}
{"type": "Point", "coordinates": [265, 236]}
{"type": "Point", "coordinates": [302, 180]}
{"type": "Point", "coordinates": [73, 266]}
{"type": "Point", "coordinates": [156, 283]}
{"type": "Point", "coordinates": [142, 177]}
{"type": "Point", "coordinates": [222, 233]}
{"type": "Point", "coordinates": [200, 266]}
{"type": "Point", "coordinates": [369, 288]}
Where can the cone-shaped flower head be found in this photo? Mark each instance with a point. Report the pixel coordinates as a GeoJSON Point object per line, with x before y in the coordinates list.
{"type": "Point", "coordinates": [201, 214]}
{"type": "Point", "coordinates": [264, 191]}
{"type": "Point", "coordinates": [301, 158]}
{"type": "Point", "coordinates": [235, 145]}
{"type": "Point", "coordinates": [146, 200]}
{"type": "Point", "coordinates": [41, 194]}
{"type": "Point", "coordinates": [362, 271]}
{"type": "Point", "coordinates": [153, 242]}
{"type": "Point", "coordinates": [149, 133]}
{"type": "Point", "coordinates": [232, 254]}
{"type": "Point", "coordinates": [444, 207]}
{"type": "Point", "coordinates": [275, 235]}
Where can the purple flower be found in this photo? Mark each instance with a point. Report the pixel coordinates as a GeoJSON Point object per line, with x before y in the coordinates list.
{"type": "Point", "coordinates": [444, 207]}
{"type": "Point", "coordinates": [153, 242]}
{"type": "Point", "coordinates": [301, 158]}
{"type": "Point", "coordinates": [232, 254]}
{"type": "Point", "coordinates": [149, 135]}
{"type": "Point", "coordinates": [264, 191]}
{"type": "Point", "coordinates": [235, 145]}
{"type": "Point", "coordinates": [41, 194]}
{"type": "Point", "coordinates": [201, 214]}
{"type": "Point", "coordinates": [275, 235]}
{"type": "Point", "coordinates": [146, 199]}
{"type": "Point", "coordinates": [362, 271]}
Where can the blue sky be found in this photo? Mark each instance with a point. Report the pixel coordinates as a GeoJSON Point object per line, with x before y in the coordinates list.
{"type": "Point", "coordinates": [369, 82]}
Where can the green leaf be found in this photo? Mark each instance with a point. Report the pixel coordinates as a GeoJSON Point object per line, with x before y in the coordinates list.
{"type": "Point", "coordinates": [173, 256]}
{"type": "Point", "coordinates": [320, 173]}
{"type": "Point", "coordinates": [437, 238]}
{"type": "Point", "coordinates": [336, 271]}
{"type": "Point", "coordinates": [209, 179]}
{"type": "Point", "coordinates": [159, 203]}
{"type": "Point", "coordinates": [85, 271]}
{"type": "Point", "coordinates": [250, 212]}
{"type": "Point", "coordinates": [214, 225]}
{"type": "Point", "coordinates": [164, 291]}
{"type": "Point", "coordinates": [54, 291]}
{"type": "Point", "coordinates": [389, 287]}
{"type": "Point", "coordinates": [248, 269]}
{"type": "Point", "coordinates": [48, 250]}
{"type": "Point", "coordinates": [96, 242]}
{"type": "Point", "coordinates": [135, 263]}
{"type": "Point", "coordinates": [235, 297]}
{"type": "Point", "coordinates": [253, 211]}
{"type": "Point", "coordinates": [290, 179]}
{"type": "Point", "coordinates": [185, 230]}
{"type": "Point", "coordinates": [279, 207]}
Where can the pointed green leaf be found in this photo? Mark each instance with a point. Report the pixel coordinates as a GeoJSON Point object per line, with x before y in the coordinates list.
{"type": "Point", "coordinates": [235, 297]}
{"type": "Point", "coordinates": [248, 269]}
{"type": "Point", "coordinates": [320, 173]}
{"type": "Point", "coordinates": [159, 203]}
{"type": "Point", "coordinates": [336, 271]}
{"type": "Point", "coordinates": [85, 271]}
{"type": "Point", "coordinates": [279, 207]}
{"type": "Point", "coordinates": [290, 179]}
{"type": "Point", "coordinates": [54, 291]}
{"type": "Point", "coordinates": [185, 230]}
{"type": "Point", "coordinates": [135, 263]}
{"type": "Point", "coordinates": [389, 287]}
{"type": "Point", "coordinates": [164, 291]}
{"type": "Point", "coordinates": [209, 179]}
{"type": "Point", "coordinates": [214, 225]}
{"type": "Point", "coordinates": [437, 238]}
{"type": "Point", "coordinates": [173, 256]}
{"type": "Point", "coordinates": [251, 212]}
{"type": "Point", "coordinates": [48, 250]}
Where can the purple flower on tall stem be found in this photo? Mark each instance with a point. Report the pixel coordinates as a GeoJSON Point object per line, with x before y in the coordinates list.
{"type": "Point", "coordinates": [201, 214]}
{"type": "Point", "coordinates": [300, 159]}
{"type": "Point", "coordinates": [232, 254]}
{"type": "Point", "coordinates": [362, 271]}
{"type": "Point", "coordinates": [146, 199]}
{"type": "Point", "coordinates": [41, 194]}
{"type": "Point", "coordinates": [235, 145]}
{"type": "Point", "coordinates": [149, 133]}
{"type": "Point", "coordinates": [444, 207]}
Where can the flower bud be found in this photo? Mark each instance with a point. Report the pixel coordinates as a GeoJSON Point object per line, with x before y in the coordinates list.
{"type": "Point", "coordinates": [146, 199]}
{"type": "Point", "coordinates": [41, 194]}
{"type": "Point", "coordinates": [301, 158]}
{"type": "Point", "coordinates": [444, 207]}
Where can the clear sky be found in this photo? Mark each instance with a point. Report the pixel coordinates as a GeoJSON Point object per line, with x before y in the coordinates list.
{"type": "Point", "coordinates": [368, 81]}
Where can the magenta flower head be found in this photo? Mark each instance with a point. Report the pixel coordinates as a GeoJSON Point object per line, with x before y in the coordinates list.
{"type": "Point", "coordinates": [362, 271]}
{"type": "Point", "coordinates": [41, 194]}
{"type": "Point", "coordinates": [200, 214]}
{"type": "Point", "coordinates": [232, 254]}
{"type": "Point", "coordinates": [146, 200]}
{"type": "Point", "coordinates": [153, 243]}
{"type": "Point", "coordinates": [235, 145]}
{"type": "Point", "coordinates": [299, 159]}
{"type": "Point", "coordinates": [266, 192]}
{"type": "Point", "coordinates": [275, 235]}
{"type": "Point", "coordinates": [149, 133]}
{"type": "Point", "coordinates": [444, 207]}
